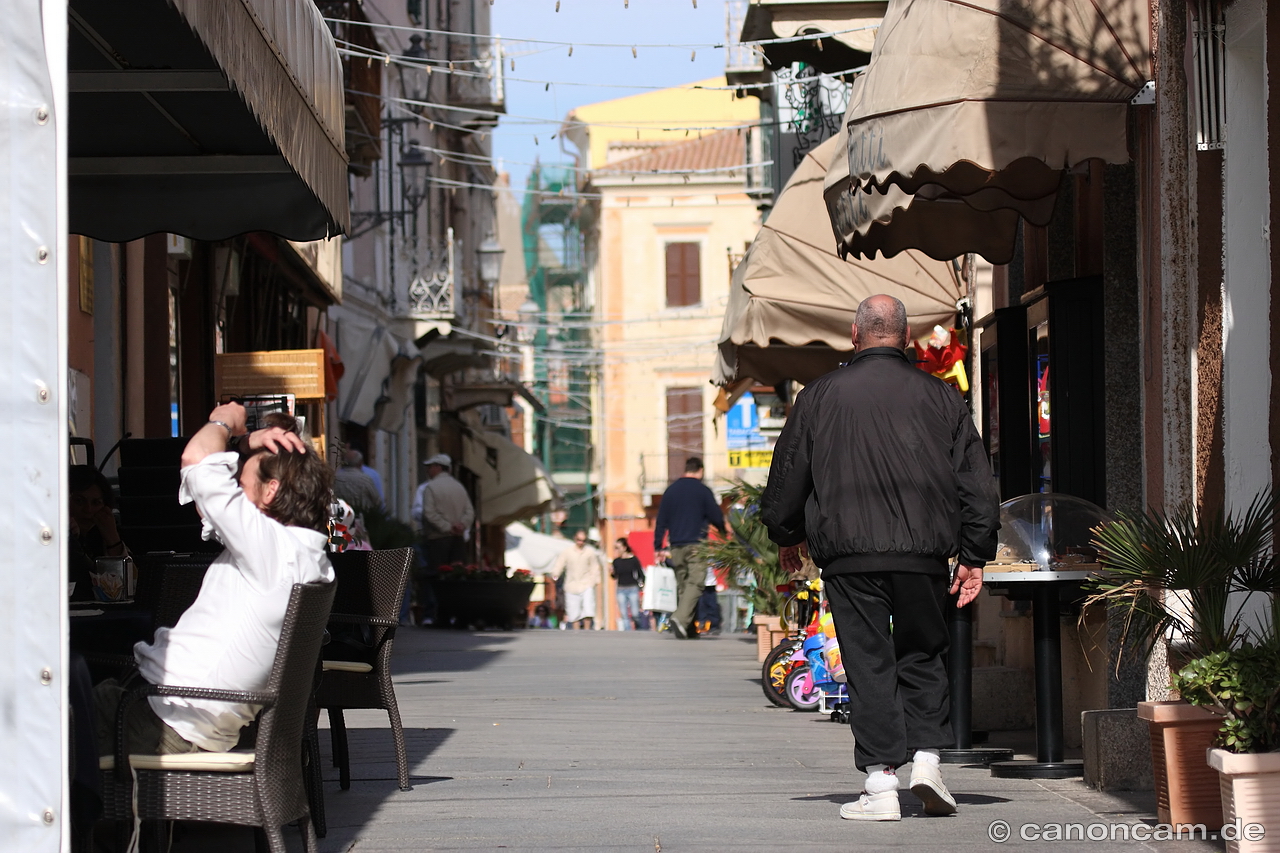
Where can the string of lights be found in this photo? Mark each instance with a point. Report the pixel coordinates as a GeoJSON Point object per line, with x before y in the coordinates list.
{"type": "Point", "coordinates": [734, 195]}
{"type": "Point", "coordinates": [442, 66]}
{"type": "Point", "coordinates": [628, 46]}
{"type": "Point", "coordinates": [465, 159]}
{"type": "Point", "coordinates": [511, 118]}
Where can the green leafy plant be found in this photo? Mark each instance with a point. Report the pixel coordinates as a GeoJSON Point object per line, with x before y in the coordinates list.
{"type": "Point", "coordinates": [1243, 685]}
{"type": "Point", "coordinates": [749, 555]}
{"type": "Point", "coordinates": [1177, 575]}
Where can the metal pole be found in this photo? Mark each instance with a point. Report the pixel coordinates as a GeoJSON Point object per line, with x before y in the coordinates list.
{"type": "Point", "coordinates": [960, 683]}
{"type": "Point", "coordinates": [960, 674]}
{"type": "Point", "coordinates": [1048, 658]}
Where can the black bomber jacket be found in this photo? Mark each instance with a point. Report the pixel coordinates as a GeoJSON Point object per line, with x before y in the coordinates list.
{"type": "Point", "coordinates": [881, 469]}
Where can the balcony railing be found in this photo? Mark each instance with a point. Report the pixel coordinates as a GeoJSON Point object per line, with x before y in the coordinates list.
{"type": "Point", "coordinates": [481, 88]}
{"type": "Point", "coordinates": [743, 63]}
{"type": "Point", "coordinates": [431, 293]}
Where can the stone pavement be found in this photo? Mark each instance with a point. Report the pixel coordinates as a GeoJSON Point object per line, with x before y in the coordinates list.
{"type": "Point", "coordinates": [603, 741]}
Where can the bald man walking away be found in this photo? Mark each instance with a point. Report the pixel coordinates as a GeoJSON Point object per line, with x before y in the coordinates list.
{"type": "Point", "coordinates": [881, 473]}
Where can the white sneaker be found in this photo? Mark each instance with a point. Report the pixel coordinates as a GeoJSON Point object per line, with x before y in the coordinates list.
{"type": "Point", "coordinates": [926, 783]}
{"type": "Point", "coordinates": [873, 807]}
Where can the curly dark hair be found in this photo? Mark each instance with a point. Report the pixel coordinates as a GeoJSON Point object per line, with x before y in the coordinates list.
{"type": "Point", "coordinates": [306, 488]}
{"type": "Point", "coordinates": [82, 477]}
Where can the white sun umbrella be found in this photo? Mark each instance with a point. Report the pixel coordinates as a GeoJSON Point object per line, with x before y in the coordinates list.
{"type": "Point", "coordinates": [528, 549]}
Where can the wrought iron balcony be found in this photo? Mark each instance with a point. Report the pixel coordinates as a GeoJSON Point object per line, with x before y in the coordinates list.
{"type": "Point", "coordinates": [480, 87]}
{"type": "Point", "coordinates": [432, 292]}
{"type": "Point", "coordinates": [743, 63]}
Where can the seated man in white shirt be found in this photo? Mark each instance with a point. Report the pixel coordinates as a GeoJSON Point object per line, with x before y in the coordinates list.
{"type": "Point", "coordinates": [269, 505]}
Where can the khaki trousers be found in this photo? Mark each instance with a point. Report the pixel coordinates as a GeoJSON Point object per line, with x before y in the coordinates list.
{"type": "Point", "coordinates": [691, 579]}
{"type": "Point", "coordinates": [145, 733]}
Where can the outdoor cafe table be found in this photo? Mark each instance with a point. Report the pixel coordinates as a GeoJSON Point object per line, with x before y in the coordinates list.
{"type": "Point", "coordinates": [108, 627]}
{"type": "Point", "coordinates": [1043, 589]}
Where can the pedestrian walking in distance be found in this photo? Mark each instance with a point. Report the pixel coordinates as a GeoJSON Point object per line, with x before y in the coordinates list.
{"type": "Point", "coordinates": [443, 511]}
{"type": "Point", "coordinates": [881, 475]}
{"type": "Point", "coordinates": [630, 578]}
{"type": "Point", "coordinates": [582, 567]}
{"type": "Point", "coordinates": [354, 486]}
{"type": "Point", "coordinates": [687, 511]}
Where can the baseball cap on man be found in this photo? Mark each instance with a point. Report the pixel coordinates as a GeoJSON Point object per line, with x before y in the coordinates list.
{"type": "Point", "coordinates": [441, 459]}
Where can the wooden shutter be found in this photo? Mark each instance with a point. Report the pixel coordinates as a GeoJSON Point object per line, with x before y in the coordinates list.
{"type": "Point", "coordinates": [684, 428]}
{"type": "Point", "coordinates": [684, 274]}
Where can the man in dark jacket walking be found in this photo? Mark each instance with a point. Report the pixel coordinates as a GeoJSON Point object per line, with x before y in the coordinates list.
{"type": "Point", "coordinates": [881, 474]}
{"type": "Point", "coordinates": [687, 510]}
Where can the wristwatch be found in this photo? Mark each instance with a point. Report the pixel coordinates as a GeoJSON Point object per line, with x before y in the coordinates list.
{"type": "Point", "coordinates": [233, 440]}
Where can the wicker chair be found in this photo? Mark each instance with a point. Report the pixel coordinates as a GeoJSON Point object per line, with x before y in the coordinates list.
{"type": "Point", "coordinates": [371, 586]}
{"type": "Point", "coordinates": [175, 584]}
{"type": "Point", "coordinates": [262, 788]}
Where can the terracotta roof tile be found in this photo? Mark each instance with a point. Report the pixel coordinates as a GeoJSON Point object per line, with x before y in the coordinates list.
{"type": "Point", "coordinates": [724, 148]}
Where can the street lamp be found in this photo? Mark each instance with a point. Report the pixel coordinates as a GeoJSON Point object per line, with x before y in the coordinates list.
{"type": "Point", "coordinates": [412, 81]}
{"type": "Point", "coordinates": [413, 177]}
{"type": "Point", "coordinates": [490, 253]}
{"type": "Point", "coordinates": [527, 315]}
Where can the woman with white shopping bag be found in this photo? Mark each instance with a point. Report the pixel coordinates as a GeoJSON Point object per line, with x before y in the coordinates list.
{"type": "Point", "coordinates": [659, 592]}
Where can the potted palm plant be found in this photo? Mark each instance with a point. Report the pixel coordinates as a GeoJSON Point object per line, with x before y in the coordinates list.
{"type": "Point", "coordinates": [1174, 579]}
{"type": "Point", "coordinates": [752, 563]}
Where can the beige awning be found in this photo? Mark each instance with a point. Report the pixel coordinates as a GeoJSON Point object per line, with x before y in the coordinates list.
{"type": "Point", "coordinates": [887, 220]}
{"type": "Point", "coordinates": [792, 298]}
{"type": "Point", "coordinates": [446, 354]}
{"type": "Point", "coordinates": [970, 111]}
{"type": "Point", "coordinates": [940, 224]}
{"type": "Point", "coordinates": [992, 93]}
{"type": "Point", "coordinates": [207, 118]}
{"type": "Point", "coordinates": [392, 408]}
{"type": "Point", "coordinates": [376, 387]}
{"type": "Point", "coordinates": [512, 484]}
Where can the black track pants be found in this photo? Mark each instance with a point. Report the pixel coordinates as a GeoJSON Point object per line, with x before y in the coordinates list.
{"type": "Point", "coordinates": [898, 699]}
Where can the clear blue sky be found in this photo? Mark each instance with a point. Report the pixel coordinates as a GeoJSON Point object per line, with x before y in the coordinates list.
{"type": "Point", "coordinates": [601, 21]}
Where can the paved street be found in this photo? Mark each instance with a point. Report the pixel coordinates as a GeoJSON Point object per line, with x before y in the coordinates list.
{"type": "Point", "coordinates": [550, 740]}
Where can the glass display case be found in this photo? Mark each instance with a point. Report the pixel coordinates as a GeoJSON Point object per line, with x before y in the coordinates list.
{"type": "Point", "coordinates": [1045, 430]}
{"type": "Point", "coordinates": [1047, 533]}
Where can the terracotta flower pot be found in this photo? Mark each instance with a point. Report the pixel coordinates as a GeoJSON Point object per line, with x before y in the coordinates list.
{"type": "Point", "coordinates": [1186, 786]}
{"type": "Point", "coordinates": [766, 628]}
{"type": "Point", "coordinates": [1250, 785]}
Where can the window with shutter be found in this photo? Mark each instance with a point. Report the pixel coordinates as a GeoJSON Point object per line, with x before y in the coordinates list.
{"type": "Point", "coordinates": [684, 274]}
{"type": "Point", "coordinates": [684, 428]}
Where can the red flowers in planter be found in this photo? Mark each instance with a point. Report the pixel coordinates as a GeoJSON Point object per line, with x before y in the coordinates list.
{"type": "Point", "coordinates": [482, 573]}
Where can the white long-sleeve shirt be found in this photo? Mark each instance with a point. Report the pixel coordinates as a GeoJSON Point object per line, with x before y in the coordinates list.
{"type": "Point", "coordinates": [581, 567]}
{"type": "Point", "coordinates": [228, 638]}
{"type": "Point", "coordinates": [439, 504]}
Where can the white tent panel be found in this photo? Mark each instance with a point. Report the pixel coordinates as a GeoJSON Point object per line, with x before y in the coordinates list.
{"type": "Point", "coordinates": [33, 426]}
{"type": "Point", "coordinates": [528, 549]}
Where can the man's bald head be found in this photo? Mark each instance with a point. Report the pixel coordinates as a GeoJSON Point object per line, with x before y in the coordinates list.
{"type": "Point", "coordinates": [881, 321]}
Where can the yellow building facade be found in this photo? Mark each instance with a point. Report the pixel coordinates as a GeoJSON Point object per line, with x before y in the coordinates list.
{"type": "Point", "coordinates": [664, 116]}
{"type": "Point", "coordinates": [672, 223]}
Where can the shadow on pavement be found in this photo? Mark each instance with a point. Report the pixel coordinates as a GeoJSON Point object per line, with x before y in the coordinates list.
{"type": "Point", "coordinates": [907, 799]}
{"type": "Point", "coordinates": [424, 651]}
{"type": "Point", "coordinates": [373, 778]}
{"type": "Point", "coordinates": [373, 757]}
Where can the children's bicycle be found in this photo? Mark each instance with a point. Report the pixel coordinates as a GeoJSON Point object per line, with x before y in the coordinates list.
{"type": "Point", "coordinates": [799, 610]}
